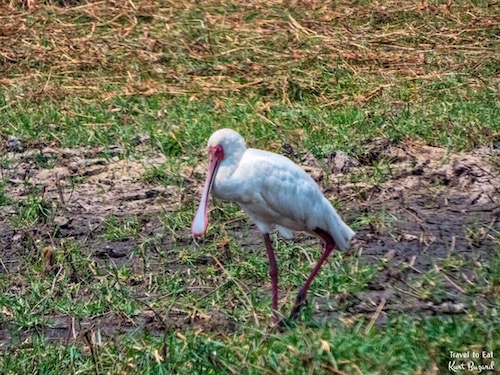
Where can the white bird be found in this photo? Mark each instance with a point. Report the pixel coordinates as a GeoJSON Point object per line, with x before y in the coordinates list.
{"type": "Point", "coordinates": [272, 191]}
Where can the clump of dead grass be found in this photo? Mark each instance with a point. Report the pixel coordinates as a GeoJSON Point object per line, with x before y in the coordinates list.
{"type": "Point", "coordinates": [103, 49]}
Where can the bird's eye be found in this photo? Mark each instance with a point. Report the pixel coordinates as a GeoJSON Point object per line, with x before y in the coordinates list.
{"type": "Point", "coordinates": [216, 152]}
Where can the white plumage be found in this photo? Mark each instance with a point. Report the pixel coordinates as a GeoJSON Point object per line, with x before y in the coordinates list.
{"type": "Point", "coordinates": [271, 189]}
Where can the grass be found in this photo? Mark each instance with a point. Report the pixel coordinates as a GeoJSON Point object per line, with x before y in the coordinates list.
{"type": "Point", "coordinates": [316, 76]}
{"type": "Point", "coordinates": [403, 345]}
{"type": "Point", "coordinates": [4, 198]}
{"type": "Point", "coordinates": [197, 353]}
{"type": "Point", "coordinates": [32, 210]}
{"type": "Point", "coordinates": [116, 229]}
{"type": "Point", "coordinates": [186, 126]}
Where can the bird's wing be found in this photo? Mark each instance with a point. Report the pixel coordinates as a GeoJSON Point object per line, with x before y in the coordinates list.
{"type": "Point", "coordinates": [288, 194]}
{"type": "Point", "coordinates": [281, 193]}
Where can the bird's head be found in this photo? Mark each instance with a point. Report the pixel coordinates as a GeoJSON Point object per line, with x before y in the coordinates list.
{"type": "Point", "coordinates": [224, 146]}
{"type": "Point", "coordinates": [230, 143]}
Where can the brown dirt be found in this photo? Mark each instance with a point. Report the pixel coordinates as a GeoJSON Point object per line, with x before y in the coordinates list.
{"type": "Point", "coordinates": [64, 327]}
{"type": "Point", "coordinates": [431, 198]}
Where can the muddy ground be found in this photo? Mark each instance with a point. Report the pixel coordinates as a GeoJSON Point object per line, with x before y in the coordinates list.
{"type": "Point", "coordinates": [428, 204]}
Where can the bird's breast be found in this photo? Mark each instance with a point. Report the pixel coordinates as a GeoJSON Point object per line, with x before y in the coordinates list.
{"type": "Point", "coordinates": [231, 189]}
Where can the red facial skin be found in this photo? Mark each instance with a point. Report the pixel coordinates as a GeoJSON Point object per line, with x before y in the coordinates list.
{"type": "Point", "coordinates": [200, 221]}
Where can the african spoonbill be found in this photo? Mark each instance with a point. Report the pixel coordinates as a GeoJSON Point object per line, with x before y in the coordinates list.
{"type": "Point", "coordinates": [274, 192]}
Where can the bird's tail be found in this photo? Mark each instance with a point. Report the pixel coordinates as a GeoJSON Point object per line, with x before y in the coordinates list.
{"type": "Point", "coordinates": [342, 234]}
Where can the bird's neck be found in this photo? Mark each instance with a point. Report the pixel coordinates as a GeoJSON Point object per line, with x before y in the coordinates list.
{"type": "Point", "coordinates": [224, 184]}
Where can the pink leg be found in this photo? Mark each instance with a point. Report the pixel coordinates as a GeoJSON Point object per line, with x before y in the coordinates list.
{"type": "Point", "coordinates": [273, 272]}
{"type": "Point", "coordinates": [302, 296]}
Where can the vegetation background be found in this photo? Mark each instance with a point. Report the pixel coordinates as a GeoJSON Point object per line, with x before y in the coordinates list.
{"type": "Point", "coordinates": [105, 110]}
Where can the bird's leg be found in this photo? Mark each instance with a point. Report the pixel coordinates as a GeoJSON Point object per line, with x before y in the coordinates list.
{"type": "Point", "coordinates": [302, 296]}
{"type": "Point", "coordinates": [273, 272]}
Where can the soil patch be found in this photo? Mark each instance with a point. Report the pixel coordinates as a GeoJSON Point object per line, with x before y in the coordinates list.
{"type": "Point", "coordinates": [426, 205]}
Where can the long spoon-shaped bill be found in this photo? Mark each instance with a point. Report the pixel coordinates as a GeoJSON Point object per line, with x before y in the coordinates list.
{"type": "Point", "coordinates": [200, 221]}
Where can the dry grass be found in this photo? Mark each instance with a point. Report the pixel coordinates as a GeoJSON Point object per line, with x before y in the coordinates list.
{"type": "Point", "coordinates": [107, 48]}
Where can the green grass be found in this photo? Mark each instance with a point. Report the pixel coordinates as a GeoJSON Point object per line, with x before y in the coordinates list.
{"type": "Point", "coordinates": [32, 210]}
{"type": "Point", "coordinates": [4, 198]}
{"type": "Point", "coordinates": [403, 346]}
{"type": "Point", "coordinates": [184, 129]}
{"type": "Point", "coordinates": [407, 344]}
{"type": "Point", "coordinates": [119, 229]}
{"type": "Point", "coordinates": [318, 76]}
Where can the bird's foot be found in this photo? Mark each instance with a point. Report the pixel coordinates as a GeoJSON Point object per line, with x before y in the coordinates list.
{"type": "Point", "coordinates": [291, 321]}
{"type": "Point", "coordinates": [300, 303]}
{"type": "Point", "coordinates": [286, 323]}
